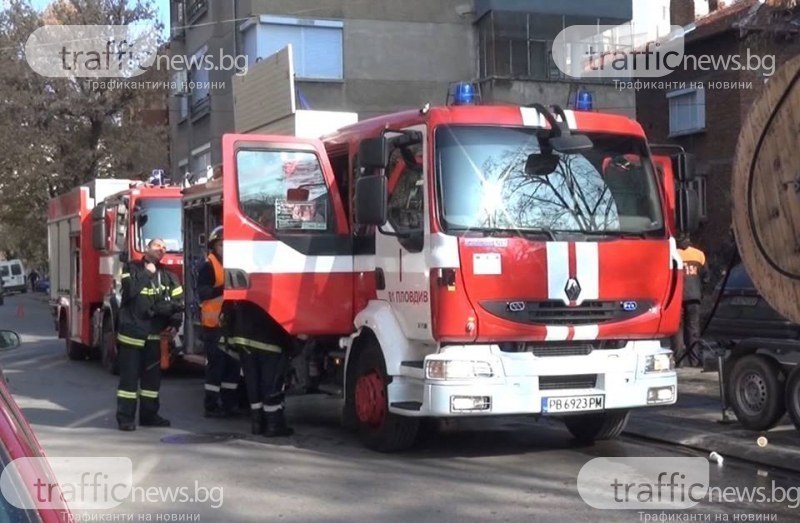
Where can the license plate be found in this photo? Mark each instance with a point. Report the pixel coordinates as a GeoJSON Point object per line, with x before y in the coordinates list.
{"type": "Point", "coordinates": [744, 301]}
{"type": "Point", "coordinates": [573, 403]}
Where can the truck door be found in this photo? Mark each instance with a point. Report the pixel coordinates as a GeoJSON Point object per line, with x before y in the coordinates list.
{"type": "Point", "coordinates": [287, 245]}
{"type": "Point", "coordinates": [401, 254]}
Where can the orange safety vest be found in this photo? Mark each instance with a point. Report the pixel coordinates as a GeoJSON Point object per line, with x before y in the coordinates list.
{"type": "Point", "coordinates": [210, 310]}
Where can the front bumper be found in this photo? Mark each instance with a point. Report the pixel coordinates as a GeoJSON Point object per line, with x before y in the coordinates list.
{"type": "Point", "coordinates": [520, 381]}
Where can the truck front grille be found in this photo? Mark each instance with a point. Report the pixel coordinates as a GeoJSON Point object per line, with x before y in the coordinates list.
{"type": "Point", "coordinates": [556, 312]}
{"type": "Point", "coordinates": [576, 381]}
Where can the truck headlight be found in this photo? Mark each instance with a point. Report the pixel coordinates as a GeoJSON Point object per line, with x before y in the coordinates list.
{"type": "Point", "coordinates": [659, 363]}
{"type": "Point", "coordinates": [457, 369]}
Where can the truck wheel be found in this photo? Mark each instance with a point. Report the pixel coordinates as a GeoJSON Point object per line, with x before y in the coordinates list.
{"type": "Point", "coordinates": [108, 350]}
{"type": "Point", "coordinates": [378, 428]}
{"type": "Point", "coordinates": [588, 428]}
{"type": "Point", "coordinates": [793, 396]}
{"type": "Point", "coordinates": [756, 392]}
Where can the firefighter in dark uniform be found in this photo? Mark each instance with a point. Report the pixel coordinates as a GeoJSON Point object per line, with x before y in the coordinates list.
{"type": "Point", "coordinates": [222, 368]}
{"type": "Point", "coordinates": [695, 275]}
{"type": "Point", "coordinates": [263, 347]}
{"type": "Point", "coordinates": [151, 307]}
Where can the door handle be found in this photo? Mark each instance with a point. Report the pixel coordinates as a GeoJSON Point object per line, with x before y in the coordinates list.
{"type": "Point", "coordinates": [380, 279]}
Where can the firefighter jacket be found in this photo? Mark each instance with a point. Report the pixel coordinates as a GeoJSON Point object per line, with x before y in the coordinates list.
{"type": "Point", "coordinates": [210, 285]}
{"type": "Point", "coordinates": [695, 274]}
{"type": "Point", "coordinates": [150, 303]}
{"type": "Point", "coordinates": [246, 325]}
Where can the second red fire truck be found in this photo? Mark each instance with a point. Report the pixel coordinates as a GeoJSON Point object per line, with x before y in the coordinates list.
{"type": "Point", "coordinates": [92, 231]}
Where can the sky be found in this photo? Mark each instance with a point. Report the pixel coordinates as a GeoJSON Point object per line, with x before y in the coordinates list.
{"type": "Point", "coordinates": [161, 5]}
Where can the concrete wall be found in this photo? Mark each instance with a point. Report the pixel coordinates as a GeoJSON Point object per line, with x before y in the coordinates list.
{"type": "Point", "coordinates": [606, 97]}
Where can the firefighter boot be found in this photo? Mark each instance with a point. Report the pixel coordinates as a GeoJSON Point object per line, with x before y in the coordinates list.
{"type": "Point", "coordinates": [257, 422]}
{"type": "Point", "coordinates": [154, 421]}
{"type": "Point", "coordinates": [276, 425]}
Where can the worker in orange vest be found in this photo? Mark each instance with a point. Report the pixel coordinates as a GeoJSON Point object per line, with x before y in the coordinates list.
{"type": "Point", "coordinates": [222, 367]}
{"type": "Point", "coordinates": [695, 275]}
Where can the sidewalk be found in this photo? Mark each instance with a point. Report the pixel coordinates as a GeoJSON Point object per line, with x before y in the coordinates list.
{"type": "Point", "coordinates": [694, 421]}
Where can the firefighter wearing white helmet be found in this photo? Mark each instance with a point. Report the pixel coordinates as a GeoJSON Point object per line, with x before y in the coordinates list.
{"type": "Point", "coordinates": [222, 368]}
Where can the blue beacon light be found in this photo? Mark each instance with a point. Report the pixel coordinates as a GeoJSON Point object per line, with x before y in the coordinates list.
{"type": "Point", "coordinates": [464, 93]}
{"type": "Point", "coordinates": [585, 101]}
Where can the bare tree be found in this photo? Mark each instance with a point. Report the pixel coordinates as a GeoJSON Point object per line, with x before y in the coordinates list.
{"type": "Point", "coordinates": [61, 132]}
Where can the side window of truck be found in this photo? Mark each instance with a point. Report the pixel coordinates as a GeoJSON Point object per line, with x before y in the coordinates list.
{"type": "Point", "coordinates": [406, 198]}
{"type": "Point", "coordinates": [284, 191]}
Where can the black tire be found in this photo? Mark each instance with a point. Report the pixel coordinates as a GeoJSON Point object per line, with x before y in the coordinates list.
{"type": "Point", "coordinates": [75, 351]}
{"type": "Point", "coordinates": [378, 429]}
{"type": "Point", "coordinates": [108, 350]}
{"type": "Point", "coordinates": [793, 396]}
{"type": "Point", "coordinates": [588, 428]}
{"type": "Point", "coordinates": [756, 391]}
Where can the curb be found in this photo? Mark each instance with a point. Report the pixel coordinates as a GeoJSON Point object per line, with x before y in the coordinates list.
{"type": "Point", "coordinates": [777, 456]}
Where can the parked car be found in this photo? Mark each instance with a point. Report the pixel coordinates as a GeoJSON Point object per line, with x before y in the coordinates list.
{"type": "Point", "coordinates": [18, 441]}
{"type": "Point", "coordinates": [2, 293]}
{"type": "Point", "coordinates": [761, 363]}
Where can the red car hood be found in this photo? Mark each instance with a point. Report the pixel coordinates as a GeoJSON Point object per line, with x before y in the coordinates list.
{"type": "Point", "coordinates": [526, 290]}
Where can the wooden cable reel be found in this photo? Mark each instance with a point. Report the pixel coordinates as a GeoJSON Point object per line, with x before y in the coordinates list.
{"type": "Point", "coordinates": [766, 192]}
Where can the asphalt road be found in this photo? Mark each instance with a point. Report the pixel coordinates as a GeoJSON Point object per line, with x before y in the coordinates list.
{"type": "Point", "coordinates": [505, 471]}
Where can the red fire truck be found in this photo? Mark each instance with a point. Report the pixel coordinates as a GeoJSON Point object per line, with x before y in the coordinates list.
{"type": "Point", "coordinates": [92, 231]}
{"type": "Point", "coordinates": [463, 260]}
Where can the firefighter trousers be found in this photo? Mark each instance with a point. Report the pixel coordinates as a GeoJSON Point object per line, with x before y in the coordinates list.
{"type": "Point", "coordinates": [139, 377]}
{"type": "Point", "coordinates": [222, 373]}
{"type": "Point", "coordinates": [264, 372]}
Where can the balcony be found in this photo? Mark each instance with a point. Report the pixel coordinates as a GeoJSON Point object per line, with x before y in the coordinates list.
{"type": "Point", "coordinates": [195, 9]}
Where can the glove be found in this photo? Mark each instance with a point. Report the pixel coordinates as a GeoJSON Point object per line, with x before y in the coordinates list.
{"type": "Point", "coordinates": [167, 308]}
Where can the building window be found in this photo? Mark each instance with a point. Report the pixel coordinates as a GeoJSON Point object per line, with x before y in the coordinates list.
{"type": "Point", "coordinates": [687, 111]}
{"type": "Point", "coordinates": [520, 45]}
{"type": "Point", "coordinates": [199, 80]}
{"type": "Point", "coordinates": [178, 17]}
{"type": "Point", "coordinates": [270, 183]}
{"type": "Point", "coordinates": [181, 93]}
{"type": "Point", "coordinates": [200, 161]}
{"type": "Point", "coordinates": [317, 47]}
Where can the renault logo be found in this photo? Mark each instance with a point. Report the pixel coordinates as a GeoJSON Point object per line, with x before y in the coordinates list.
{"type": "Point", "coordinates": [516, 306]}
{"type": "Point", "coordinates": [572, 289]}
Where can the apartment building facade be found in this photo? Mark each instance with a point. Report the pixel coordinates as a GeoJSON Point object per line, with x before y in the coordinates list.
{"type": "Point", "coordinates": [375, 57]}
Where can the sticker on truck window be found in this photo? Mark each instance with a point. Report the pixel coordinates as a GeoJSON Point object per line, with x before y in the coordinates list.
{"type": "Point", "coordinates": [301, 215]}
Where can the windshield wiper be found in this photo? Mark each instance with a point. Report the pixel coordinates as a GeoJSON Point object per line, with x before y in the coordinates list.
{"type": "Point", "coordinates": [496, 231]}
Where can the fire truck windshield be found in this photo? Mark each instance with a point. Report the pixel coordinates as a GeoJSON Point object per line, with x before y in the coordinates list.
{"type": "Point", "coordinates": [610, 189]}
{"type": "Point", "coordinates": [159, 218]}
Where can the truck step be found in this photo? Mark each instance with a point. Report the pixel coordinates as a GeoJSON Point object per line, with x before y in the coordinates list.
{"type": "Point", "coordinates": [407, 405]}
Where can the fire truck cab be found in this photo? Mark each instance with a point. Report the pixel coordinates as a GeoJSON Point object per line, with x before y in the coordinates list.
{"type": "Point", "coordinates": [461, 261]}
{"type": "Point", "coordinates": [93, 230]}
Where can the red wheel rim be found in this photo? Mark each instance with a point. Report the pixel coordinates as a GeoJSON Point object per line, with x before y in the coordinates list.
{"type": "Point", "coordinates": [370, 399]}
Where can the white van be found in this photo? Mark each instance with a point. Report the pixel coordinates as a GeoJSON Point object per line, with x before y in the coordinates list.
{"type": "Point", "coordinates": [13, 274]}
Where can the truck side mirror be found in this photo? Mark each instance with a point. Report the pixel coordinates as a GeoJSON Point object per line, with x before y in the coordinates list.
{"type": "Point", "coordinates": [371, 200]}
{"type": "Point", "coordinates": [373, 153]}
{"type": "Point", "coordinates": [688, 210]}
{"type": "Point", "coordinates": [684, 166]}
{"type": "Point", "coordinates": [99, 228]}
